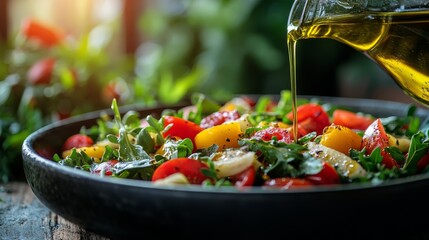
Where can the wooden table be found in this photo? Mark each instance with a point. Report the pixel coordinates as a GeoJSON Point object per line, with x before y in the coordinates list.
{"type": "Point", "coordinates": [24, 217]}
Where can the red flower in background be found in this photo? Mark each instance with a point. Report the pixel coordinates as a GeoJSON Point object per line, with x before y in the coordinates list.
{"type": "Point", "coordinates": [41, 72]}
{"type": "Point", "coordinates": [42, 33]}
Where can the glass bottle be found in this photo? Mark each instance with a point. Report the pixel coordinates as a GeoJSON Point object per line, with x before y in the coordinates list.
{"type": "Point", "coordinates": [393, 33]}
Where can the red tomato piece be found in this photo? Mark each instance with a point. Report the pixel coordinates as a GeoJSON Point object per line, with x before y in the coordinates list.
{"type": "Point", "coordinates": [375, 136]}
{"type": "Point", "coordinates": [218, 118]}
{"type": "Point", "coordinates": [301, 132]}
{"type": "Point", "coordinates": [40, 72]}
{"type": "Point", "coordinates": [45, 151]}
{"type": "Point", "coordinates": [422, 163]}
{"type": "Point", "coordinates": [288, 183]}
{"type": "Point", "coordinates": [245, 178]}
{"type": "Point", "coordinates": [181, 128]}
{"type": "Point", "coordinates": [328, 175]}
{"type": "Point", "coordinates": [104, 168]}
{"type": "Point", "coordinates": [46, 35]}
{"type": "Point", "coordinates": [351, 120]}
{"type": "Point", "coordinates": [282, 135]}
{"type": "Point", "coordinates": [250, 101]}
{"type": "Point", "coordinates": [311, 117]}
{"type": "Point", "coordinates": [191, 168]}
{"type": "Point", "coordinates": [77, 141]}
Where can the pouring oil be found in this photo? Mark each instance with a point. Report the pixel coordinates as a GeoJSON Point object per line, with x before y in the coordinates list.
{"type": "Point", "coordinates": [397, 41]}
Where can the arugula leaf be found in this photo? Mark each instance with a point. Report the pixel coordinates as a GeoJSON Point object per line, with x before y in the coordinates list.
{"type": "Point", "coordinates": [109, 154]}
{"type": "Point", "coordinates": [127, 150]}
{"type": "Point", "coordinates": [211, 173]}
{"type": "Point", "coordinates": [418, 148]}
{"type": "Point", "coordinates": [206, 155]}
{"type": "Point", "coordinates": [249, 132]}
{"type": "Point", "coordinates": [203, 106]}
{"type": "Point", "coordinates": [255, 118]}
{"type": "Point", "coordinates": [395, 153]}
{"type": "Point", "coordinates": [145, 139]}
{"type": "Point", "coordinates": [157, 127]}
{"type": "Point", "coordinates": [177, 148]}
{"type": "Point", "coordinates": [197, 115]}
{"type": "Point", "coordinates": [402, 126]}
{"type": "Point", "coordinates": [138, 169]}
{"type": "Point", "coordinates": [308, 137]}
{"type": "Point", "coordinates": [151, 136]}
{"type": "Point", "coordinates": [131, 120]}
{"type": "Point", "coordinates": [370, 162]}
{"type": "Point", "coordinates": [76, 159]}
{"type": "Point", "coordinates": [424, 128]}
{"type": "Point", "coordinates": [205, 152]}
{"type": "Point", "coordinates": [284, 105]}
{"type": "Point", "coordinates": [376, 171]}
{"type": "Point", "coordinates": [262, 104]}
{"type": "Point", "coordinates": [281, 159]}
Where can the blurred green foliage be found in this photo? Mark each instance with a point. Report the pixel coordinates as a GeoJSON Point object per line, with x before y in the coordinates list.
{"type": "Point", "coordinates": [219, 48]}
{"type": "Point", "coordinates": [216, 47]}
{"type": "Point", "coordinates": [34, 93]}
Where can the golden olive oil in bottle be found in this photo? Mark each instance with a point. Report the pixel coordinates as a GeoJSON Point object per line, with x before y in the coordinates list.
{"type": "Point", "coordinates": [397, 41]}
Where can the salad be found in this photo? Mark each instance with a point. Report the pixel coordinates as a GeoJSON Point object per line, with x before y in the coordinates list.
{"type": "Point", "coordinates": [248, 143]}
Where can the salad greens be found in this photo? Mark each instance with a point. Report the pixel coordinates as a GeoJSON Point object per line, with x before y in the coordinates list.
{"type": "Point", "coordinates": [140, 146]}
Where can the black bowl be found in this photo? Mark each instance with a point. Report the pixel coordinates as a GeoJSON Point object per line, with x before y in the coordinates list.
{"type": "Point", "coordinates": [124, 208]}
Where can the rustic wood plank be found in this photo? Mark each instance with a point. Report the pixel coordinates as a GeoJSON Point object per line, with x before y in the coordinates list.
{"type": "Point", "coordinates": [23, 216]}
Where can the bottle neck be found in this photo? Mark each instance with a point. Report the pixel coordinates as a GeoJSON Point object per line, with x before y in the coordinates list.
{"type": "Point", "coordinates": [300, 12]}
{"type": "Point", "coordinates": [314, 9]}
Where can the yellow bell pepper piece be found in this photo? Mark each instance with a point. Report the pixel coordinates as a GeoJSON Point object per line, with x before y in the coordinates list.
{"type": "Point", "coordinates": [225, 136]}
{"type": "Point", "coordinates": [95, 152]}
{"type": "Point", "coordinates": [236, 103]}
{"type": "Point", "coordinates": [274, 124]}
{"type": "Point", "coordinates": [340, 138]}
{"type": "Point", "coordinates": [403, 143]}
{"type": "Point", "coordinates": [228, 107]}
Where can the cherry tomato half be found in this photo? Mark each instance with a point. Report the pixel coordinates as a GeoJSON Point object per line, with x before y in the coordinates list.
{"type": "Point", "coordinates": [181, 128]}
{"type": "Point", "coordinates": [423, 163]}
{"type": "Point", "coordinates": [218, 118]}
{"type": "Point", "coordinates": [288, 183]}
{"type": "Point", "coordinates": [77, 141]}
{"type": "Point", "coordinates": [351, 120]}
{"type": "Point", "coordinates": [311, 117]}
{"type": "Point", "coordinates": [245, 178]}
{"type": "Point", "coordinates": [191, 168]}
{"type": "Point", "coordinates": [375, 136]}
{"type": "Point", "coordinates": [328, 175]}
{"type": "Point", "coordinates": [266, 134]}
{"type": "Point", "coordinates": [45, 151]}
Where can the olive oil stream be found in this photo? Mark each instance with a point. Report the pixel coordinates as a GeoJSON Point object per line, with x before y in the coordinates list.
{"type": "Point", "coordinates": [397, 41]}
